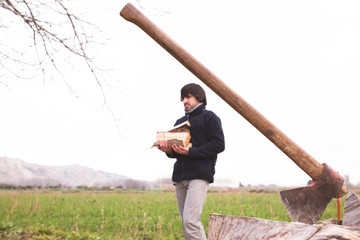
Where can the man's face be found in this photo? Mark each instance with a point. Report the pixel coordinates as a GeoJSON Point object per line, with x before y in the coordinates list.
{"type": "Point", "coordinates": [190, 102]}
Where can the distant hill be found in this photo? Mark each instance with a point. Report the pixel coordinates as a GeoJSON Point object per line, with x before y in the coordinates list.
{"type": "Point", "coordinates": [18, 172]}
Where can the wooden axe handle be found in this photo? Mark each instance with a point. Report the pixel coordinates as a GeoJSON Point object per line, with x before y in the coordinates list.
{"type": "Point", "coordinates": [308, 164]}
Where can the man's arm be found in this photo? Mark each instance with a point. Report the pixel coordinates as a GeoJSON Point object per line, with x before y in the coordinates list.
{"type": "Point", "coordinates": [216, 140]}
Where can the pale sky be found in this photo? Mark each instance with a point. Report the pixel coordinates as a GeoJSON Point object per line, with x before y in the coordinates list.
{"type": "Point", "coordinates": [296, 62]}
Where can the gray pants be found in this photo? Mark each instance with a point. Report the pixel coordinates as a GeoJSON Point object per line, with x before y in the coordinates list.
{"type": "Point", "coordinates": [191, 195]}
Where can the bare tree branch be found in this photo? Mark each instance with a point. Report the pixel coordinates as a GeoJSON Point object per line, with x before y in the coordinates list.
{"type": "Point", "coordinates": [53, 29]}
{"type": "Point", "coordinates": [44, 38]}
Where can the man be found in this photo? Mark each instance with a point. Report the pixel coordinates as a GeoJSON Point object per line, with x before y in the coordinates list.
{"type": "Point", "coordinates": [194, 168]}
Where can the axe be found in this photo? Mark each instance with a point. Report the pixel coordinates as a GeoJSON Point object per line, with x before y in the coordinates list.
{"type": "Point", "coordinates": [303, 204]}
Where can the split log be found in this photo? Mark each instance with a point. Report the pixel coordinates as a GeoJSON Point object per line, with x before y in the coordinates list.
{"type": "Point", "coordinates": [352, 210]}
{"type": "Point", "coordinates": [179, 135]}
{"type": "Point", "coordinates": [178, 138]}
{"type": "Point", "coordinates": [225, 227]}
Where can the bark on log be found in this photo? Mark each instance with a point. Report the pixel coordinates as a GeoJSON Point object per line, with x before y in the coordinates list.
{"type": "Point", "coordinates": [225, 227]}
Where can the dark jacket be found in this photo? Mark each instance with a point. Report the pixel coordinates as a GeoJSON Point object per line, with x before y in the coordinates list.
{"type": "Point", "coordinates": [207, 140]}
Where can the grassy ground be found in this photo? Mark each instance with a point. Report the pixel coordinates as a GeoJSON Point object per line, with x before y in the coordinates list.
{"type": "Point", "coordinates": [123, 215]}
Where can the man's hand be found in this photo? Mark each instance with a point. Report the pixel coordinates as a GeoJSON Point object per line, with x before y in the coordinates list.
{"type": "Point", "coordinates": [180, 150]}
{"type": "Point", "coordinates": [165, 147]}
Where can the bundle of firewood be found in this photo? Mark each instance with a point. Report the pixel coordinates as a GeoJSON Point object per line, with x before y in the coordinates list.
{"type": "Point", "coordinates": [179, 135]}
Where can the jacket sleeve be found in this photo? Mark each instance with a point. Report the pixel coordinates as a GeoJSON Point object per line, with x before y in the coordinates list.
{"type": "Point", "coordinates": [172, 155]}
{"type": "Point", "coordinates": [215, 139]}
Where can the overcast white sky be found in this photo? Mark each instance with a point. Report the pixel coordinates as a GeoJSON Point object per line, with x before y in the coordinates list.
{"type": "Point", "coordinates": [296, 62]}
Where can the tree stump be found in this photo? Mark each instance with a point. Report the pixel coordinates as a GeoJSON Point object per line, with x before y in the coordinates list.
{"type": "Point", "coordinates": [225, 227]}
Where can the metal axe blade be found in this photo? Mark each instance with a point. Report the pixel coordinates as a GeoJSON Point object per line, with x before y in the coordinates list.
{"type": "Point", "coordinates": [307, 204]}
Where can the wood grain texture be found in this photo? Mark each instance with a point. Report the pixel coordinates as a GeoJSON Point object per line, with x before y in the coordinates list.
{"type": "Point", "coordinates": [352, 210]}
{"type": "Point", "coordinates": [225, 227]}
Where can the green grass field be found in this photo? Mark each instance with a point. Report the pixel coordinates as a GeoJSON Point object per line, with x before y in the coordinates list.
{"type": "Point", "coordinates": [123, 215]}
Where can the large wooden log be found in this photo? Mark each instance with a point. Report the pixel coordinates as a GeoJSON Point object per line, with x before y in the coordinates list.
{"type": "Point", "coordinates": [225, 227]}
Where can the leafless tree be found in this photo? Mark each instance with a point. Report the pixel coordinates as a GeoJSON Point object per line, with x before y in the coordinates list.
{"type": "Point", "coordinates": [34, 35]}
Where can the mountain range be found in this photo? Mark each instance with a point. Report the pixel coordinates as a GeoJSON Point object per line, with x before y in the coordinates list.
{"type": "Point", "coordinates": [19, 172]}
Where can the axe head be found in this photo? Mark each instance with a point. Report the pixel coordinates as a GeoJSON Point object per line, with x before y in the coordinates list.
{"type": "Point", "coordinates": [307, 204]}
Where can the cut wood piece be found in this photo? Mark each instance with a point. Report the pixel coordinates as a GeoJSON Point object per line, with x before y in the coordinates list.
{"type": "Point", "coordinates": [181, 127]}
{"type": "Point", "coordinates": [179, 135]}
{"type": "Point", "coordinates": [352, 210]}
{"type": "Point", "coordinates": [225, 227]}
{"type": "Point", "coordinates": [178, 138]}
